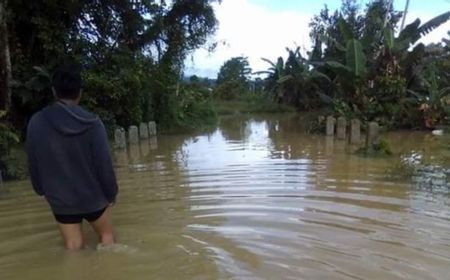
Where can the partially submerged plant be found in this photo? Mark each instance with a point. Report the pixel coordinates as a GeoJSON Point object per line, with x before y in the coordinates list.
{"type": "Point", "coordinates": [378, 149]}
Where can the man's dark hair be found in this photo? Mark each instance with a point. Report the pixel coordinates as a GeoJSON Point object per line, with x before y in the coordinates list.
{"type": "Point", "coordinates": [67, 81]}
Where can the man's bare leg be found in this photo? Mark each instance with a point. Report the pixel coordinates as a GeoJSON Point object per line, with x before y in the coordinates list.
{"type": "Point", "coordinates": [73, 236]}
{"type": "Point", "coordinates": [103, 227]}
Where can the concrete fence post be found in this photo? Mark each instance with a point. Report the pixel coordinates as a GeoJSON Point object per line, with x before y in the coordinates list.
{"type": "Point", "coordinates": [341, 129]}
{"type": "Point", "coordinates": [152, 128]}
{"type": "Point", "coordinates": [143, 131]}
{"type": "Point", "coordinates": [119, 138]}
{"type": "Point", "coordinates": [330, 126]}
{"type": "Point", "coordinates": [373, 133]}
{"type": "Point", "coordinates": [355, 131]}
{"type": "Point", "coordinates": [133, 135]}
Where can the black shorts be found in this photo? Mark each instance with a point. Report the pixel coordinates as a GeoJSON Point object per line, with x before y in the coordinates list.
{"type": "Point", "coordinates": [78, 218]}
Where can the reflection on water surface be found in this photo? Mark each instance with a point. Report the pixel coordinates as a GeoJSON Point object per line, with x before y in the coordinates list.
{"type": "Point", "coordinates": [254, 199]}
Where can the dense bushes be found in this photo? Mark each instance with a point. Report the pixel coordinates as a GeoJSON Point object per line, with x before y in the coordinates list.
{"type": "Point", "coordinates": [360, 69]}
{"type": "Point", "coordinates": [8, 138]}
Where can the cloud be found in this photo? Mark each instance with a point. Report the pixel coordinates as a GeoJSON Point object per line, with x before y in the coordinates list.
{"type": "Point", "coordinates": [255, 31]}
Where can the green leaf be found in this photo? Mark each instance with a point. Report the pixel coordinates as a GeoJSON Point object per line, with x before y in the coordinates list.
{"type": "Point", "coordinates": [355, 58]}
{"type": "Point", "coordinates": [284, 79]}
{"type": "Point", "coordinates": [408, 35]}
{"type": "Point", "coordinates": [345, 30]}
{"type": "Point", "coordinates": [338, 67]}
{"type": "Point", "coordinates": [268, 61]}
{"type": "Point", "coordinates": [414, 31]}
{"type": "Point", "coordinates": [325, 98]}
{"type": "Point", "coordinates": [319, 75]}
{"type": "Point", "coordinates": [338, 45]}
{"type": "Point", "coordinates": [43, 72]}
{"type": "Point", "coordinates": [280, 65]}
{"type": "Point", "coordinates": [434, 23]}
{"type": "Point", "coordinates": [389, 39]}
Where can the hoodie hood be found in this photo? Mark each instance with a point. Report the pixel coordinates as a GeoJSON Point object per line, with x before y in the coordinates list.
{"type": "Point", "coordinates": [69, 119]}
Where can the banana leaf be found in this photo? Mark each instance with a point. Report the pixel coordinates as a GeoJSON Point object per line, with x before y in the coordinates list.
{"type": "Point", "coordinates": [356, 59]}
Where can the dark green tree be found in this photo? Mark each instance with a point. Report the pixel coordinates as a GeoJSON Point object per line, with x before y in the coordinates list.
{"type": "Point", "coordinates": [132, 52]}
{"type": "Point", "coordinates": [233, 78]}
{"type": "Point", "coordinates": [235, 69]}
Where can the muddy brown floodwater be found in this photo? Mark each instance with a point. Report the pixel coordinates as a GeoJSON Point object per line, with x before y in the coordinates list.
{"type": "Point", "coordinates": [255, 198]}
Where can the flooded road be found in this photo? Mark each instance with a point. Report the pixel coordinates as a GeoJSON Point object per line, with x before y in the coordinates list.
{"type": "Point", "coordinates": [256, 198]}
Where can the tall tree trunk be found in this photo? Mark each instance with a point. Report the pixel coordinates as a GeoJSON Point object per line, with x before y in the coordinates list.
{"type": "Point", "coordinates": [5, 61]}
{"type": "Point", "coordinates": [404, 15]}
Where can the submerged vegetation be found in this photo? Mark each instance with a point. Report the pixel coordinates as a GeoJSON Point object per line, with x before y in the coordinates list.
{"type": "Point", "coordinates": [380, 148]}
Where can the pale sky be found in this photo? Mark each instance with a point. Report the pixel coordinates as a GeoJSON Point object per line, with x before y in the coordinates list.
{"type": "Point", "coordinates": [264, 28]}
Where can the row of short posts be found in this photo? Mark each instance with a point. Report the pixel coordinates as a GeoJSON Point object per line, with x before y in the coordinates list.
{"type": "Point", "coordinates": [340, 126]}
{"type": "Point", "coordinates": [145, 131]}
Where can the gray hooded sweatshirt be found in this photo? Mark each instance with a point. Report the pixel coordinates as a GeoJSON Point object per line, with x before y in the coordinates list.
{"type": "Point", "coordinates": [69, 159]}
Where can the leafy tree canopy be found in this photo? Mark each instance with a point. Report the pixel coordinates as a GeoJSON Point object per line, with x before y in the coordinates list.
{"type": "Point", "coordinates": [235, 69]}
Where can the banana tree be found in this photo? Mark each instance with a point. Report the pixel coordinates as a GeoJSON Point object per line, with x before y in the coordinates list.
{"type": "Point", "coordinates": [395, 55]}
{"type": "Point", "coordinates": [434, 101]}
{"type": "Point", "coordinates": [275, 77]}
{"type": "Point", "coordinates": [301, 82]}
{"type": "Point", "coordinates": [350, 75]}
{"type": "Point", "coordinates": [397, 61]}
{"type": "Point", "coordinates": [294, 81]}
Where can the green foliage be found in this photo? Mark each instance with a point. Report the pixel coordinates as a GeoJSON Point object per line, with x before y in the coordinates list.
{"type": "Point", "coordinates": [229, 90]}
{"type": "Point", "coordinates": [8, 138]}
{"type": "Point", "coordinates": [233, 78]}
{"type": "Point", "coordinates": [276, 76]}
{"type": "Point", "coordinates": [122, 45]}
{"type": "Point", "coordinates": [196, 110]}
{"type": "Point", "coordinates": [7, 134]}
{"type": "Point", "coordinates": [377, 76]}
{"type": "Point", "coordinates": [120, 95]}
{"type": "Point", "coordinates": [379, 149]}
{"type": "Point", "coordinates": [250, 104]}
{"type": "Point", "coordinates": [293, 82]}
{"type": "Point", "coordinates": [236, 68]}
{"type": "Point", "coordinates": [342, 108]}
{"type": "Point", "coordinates": [434, 101]}
{"type": "Point", "coordinates": [131, 54]}
{"type": "Point", "coordinates": [355, 58]}
{"type": "Point", "coordinates": [15, 164]}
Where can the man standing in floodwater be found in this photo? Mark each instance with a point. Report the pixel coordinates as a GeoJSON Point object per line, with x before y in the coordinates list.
{"type": "Point", "coordinates": [70, 162]}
